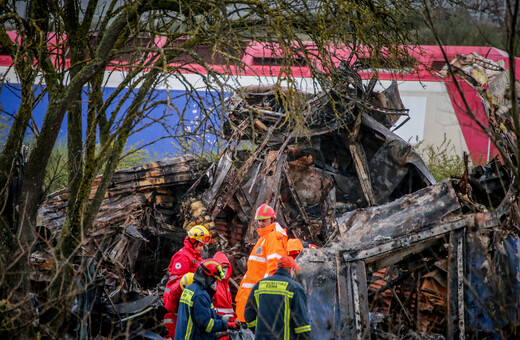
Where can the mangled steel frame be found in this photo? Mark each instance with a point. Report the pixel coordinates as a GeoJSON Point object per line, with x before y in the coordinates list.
{"type": "Point", "coordinates": [342, 156]}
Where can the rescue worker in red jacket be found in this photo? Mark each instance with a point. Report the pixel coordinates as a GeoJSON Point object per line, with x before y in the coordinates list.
{"type": "Point", "coordinates": [222, 299]}
{"type": "Point", "coordinates": [198, 319]}
{"type": "Point", "coordinates": [277, 306]}
{"type": "Point", "coordinates": [186, 260]}
{"type": "Point", "coordinates": [270, 247]}
{"type": "Point", "coordinates": [171, 299]}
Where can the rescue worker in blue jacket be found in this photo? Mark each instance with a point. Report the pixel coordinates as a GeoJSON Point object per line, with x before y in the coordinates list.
{"type": "Point", "coordinates": [277, 306]}
{"type": "Point", "coordinates": [197, 318]}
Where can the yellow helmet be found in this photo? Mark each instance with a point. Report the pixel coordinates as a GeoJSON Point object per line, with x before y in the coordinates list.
{"type": "Point", "coordinates": [200, 234]}
{"type": "Point", "coordinates": [186, 280]}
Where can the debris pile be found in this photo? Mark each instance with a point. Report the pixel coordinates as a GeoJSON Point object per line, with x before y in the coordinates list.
{"type": "Point", "coordinates": [399, 255]}
{"type": "Point", "coordinates": [128, 250]}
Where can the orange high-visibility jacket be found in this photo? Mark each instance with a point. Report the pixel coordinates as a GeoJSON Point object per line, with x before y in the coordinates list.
{"type": "Point", "coordinates": [270, 247]}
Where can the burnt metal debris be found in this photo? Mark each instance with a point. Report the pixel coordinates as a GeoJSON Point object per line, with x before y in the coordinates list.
{"type": "Point", "coordinates": [399, 257]}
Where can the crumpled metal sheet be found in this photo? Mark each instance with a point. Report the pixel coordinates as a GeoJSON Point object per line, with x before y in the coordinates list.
{"type": "Point", "coordinates": [394, 224]}
{"type": "Point", "coordinates": [134, 306]}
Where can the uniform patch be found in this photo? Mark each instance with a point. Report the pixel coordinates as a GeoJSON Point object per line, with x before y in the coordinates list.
{"type": "Point", "coordinates": [178, 265]}
{"type": "Point", "coordinates": [258, 251]}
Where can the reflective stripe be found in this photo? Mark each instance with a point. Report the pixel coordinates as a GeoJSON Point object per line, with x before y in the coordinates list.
{"type": "Point", "coordinates": [173, 277]}
{"type": "Point", "coordinates": [251, 324]}
{"type": "Point", "coordinates": [225, 310]}
{"type": "Point", "coordinates": [188, 302]}
{"type": "Point", "coordinates": [167, 321]}
{"type": "Point", "coordinates": [306, 328]}
{"type": "Point", "coordinates": [167, 290]}
{"type": "Point", "coordinates": [186, 297]}
{"type": "Point", "coordinates": [272, 256]}
{"type": "Point", "coordinates": [189, 329]}
{"type": "Point", "coordinates": [258, 258]}
{"type": "Point", "coordinates": [248, 285]}
{"type": "Point", "coordinates": [209, 327]}
{"type": "Point", "coordinates": [287, 319]}
{"type": "Point", "coordinates": [280, 229]}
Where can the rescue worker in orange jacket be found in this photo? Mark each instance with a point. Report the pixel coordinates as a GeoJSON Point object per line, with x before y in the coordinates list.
{"type": "Point", "coordinates": [262, 262]}
{"type": "Point", "coordinates": [186, 260]}
{"type": "Point", "coordinates": [295, 247]}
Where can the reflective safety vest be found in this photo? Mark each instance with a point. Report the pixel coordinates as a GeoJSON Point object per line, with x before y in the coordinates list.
{"type": "Point", "coordinates": [277, 308]}
{"type": "Point", "coordinates": [197, 319]}
{"type": "Point", "coordinates": [270, 247]}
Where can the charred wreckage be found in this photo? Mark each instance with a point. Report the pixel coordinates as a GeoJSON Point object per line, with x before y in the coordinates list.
{"type": "Point", "coordinates": [399, 255]}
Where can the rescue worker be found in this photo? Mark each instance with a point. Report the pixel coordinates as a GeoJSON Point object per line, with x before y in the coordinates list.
{"type": "Point", "coordinates": [277, 306]}
{"type": "Point", "coordinates": [222, 300]}
{"type": "Point", "coordinates": [197, 318]}
{"type": "Point", "coordinates": [171, 298]}
{"type": "Point", "coordinates": [295, 247]}
{"type": "Point", "coordinates": [270, 247]}
{"type": "Point", "coordinates": [186, 260]}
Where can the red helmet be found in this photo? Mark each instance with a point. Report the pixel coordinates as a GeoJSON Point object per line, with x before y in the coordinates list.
{"type": "Point", "coordinates": [264, 212]}
{"type": "Point", "coordinates": [212, 268]}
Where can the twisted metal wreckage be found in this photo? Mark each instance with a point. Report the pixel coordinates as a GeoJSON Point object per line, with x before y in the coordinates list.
{"type": "Point", "coordinates": [399, 256]}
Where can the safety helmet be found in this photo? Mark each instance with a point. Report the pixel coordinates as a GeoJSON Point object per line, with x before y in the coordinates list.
{"type": "Point", "coordinates": [264, 212]}
{"type": "Point", "coordinates": [212, 268]}
{"type": "Point", "coordinates": [200, 234]}
{"type": "Point", "coordinates": [186, 280]}
{"type": "Point", "coordinates": [294, 247]}
{"type": "Point", "coordinates": [287, 262]}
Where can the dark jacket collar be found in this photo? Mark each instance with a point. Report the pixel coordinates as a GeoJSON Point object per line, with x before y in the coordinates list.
{"type": "Point", "coordinates": [283, 272]}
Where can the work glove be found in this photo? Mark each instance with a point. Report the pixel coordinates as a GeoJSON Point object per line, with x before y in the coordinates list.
{"type": "Point", "coordinates": [228, 318]}
{"type": "Point", "coordinates": [232, 325]}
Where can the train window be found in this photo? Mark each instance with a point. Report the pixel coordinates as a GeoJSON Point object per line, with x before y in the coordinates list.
{"type": "Point", "coordinates": [437, 65]}
{"type": "Point", "coordinates": [133, 46]}
{"type": "Point", "coordinates": [279, 61]}
{"type": "Point", "coordinates": [3, 51]}
{"type": "Point", "coordinates": [209, 56]}
{"type": "Point", "coordinates": [382, 63]}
